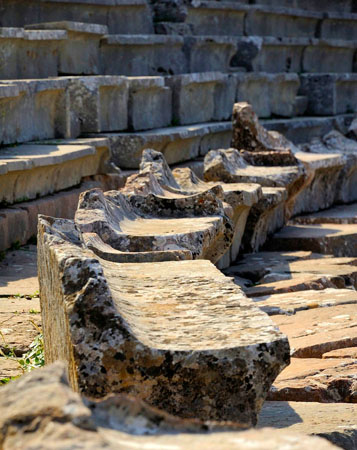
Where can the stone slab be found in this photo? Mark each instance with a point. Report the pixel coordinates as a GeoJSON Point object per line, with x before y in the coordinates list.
{"type": "Point", "coordinates": [292, 302]}
{"type": "Point", "coordinates": [176, 143]}
{"type": "Point", "coordinates": [18, 273]}
{"type": "Point", "coordinates": [146, 347]}
{"type": "Point", "coordinates": [339, 240]}
{"type": "Point", "coordinates": [119, 420]}
{"type": "Point", "coordinates": [317, 380]}
{"type": "Point", "coordinates": [316, 331]}
{"type": "Point", "coordinates": [335, 422]}
{"type": "Point", "coordinates": [346, 214]}
{"type": "Point", "coordinates": [339, 26]}
{"type": "Point", "coordinates": [349, 353]}
{"type": "Point", "coordinates": [9, 368]}
{"type": "Point", "coordinates": [30, 171]}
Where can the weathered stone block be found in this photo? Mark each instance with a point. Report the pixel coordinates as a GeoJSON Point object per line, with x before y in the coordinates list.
{"type": "Point", "coordinates": [98, 103]}
{"type": "Point", "coordinates": [37, 170]}
{"type": "Point", "coordinates": [176, 143]}
{"type": "Point", "coordinates": [209, 53]}
{"type": "Point", "coordinates": [40, 106]}
{"type": "Point", "coordinates": [150, 103]}
{"type": "Point", "coordinates": [330, 94]}
{"type": "Point", "coordinates": [82, 39]}
{"type": "Point", "coordinates": [339, 26]}
{"type": "Point", "coordinates": [322, 56]}
{"type": "Point", "coordinates": [142, 55]}
{"type": "Point", "coordinates": [155, 359]}
{"type": "Point", "coordinates": [280, 21]}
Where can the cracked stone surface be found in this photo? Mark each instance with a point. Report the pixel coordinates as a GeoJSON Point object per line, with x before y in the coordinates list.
{"type": "Point", "coordinates": [317, 331]}
{"type": "Point", "coordinates": [335, 422]}
{"type": "Point", "coordinates": [178, 334]}
{"type": "Point", "coordinates": [317, 380]}
{"type": "Point", "coordinates": [62, 419]}
{"type": "Point", "coordinates": [261, 147]}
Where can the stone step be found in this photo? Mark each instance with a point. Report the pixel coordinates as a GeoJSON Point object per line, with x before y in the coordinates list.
{"type": "Point", "coordinates": [317, 331]}
{"type": "Point", "coordinates": [34, 170]}
{"type": "Point", "coordinates": [120, 16]}
{"type": "Point", "coordinates": [68, 106]}
{"type": "Point", "coordinates": [329, 94]}
{"type": "Point", "coordinates": [18, 223]}
{"type": "Point", "coordinates": [312, 5]}
{"type": "Point", "coordinates": [317, 380]}
{"type": "Point", "coordinates": [335, 422]}
{"type": "Point", "coordinates": [294, 54]}
{"type": "Point", "coordinates": [177, 144]}
{"type": "Point", "coordinates": [138, 346]}
{"type": "Point", "coordinates": [339, 240]}
{"type": "Point", "coordinates": [285, 272]}
{"type": "Point", "coordinates": [157, 428]}
{"type": "Point", "coordinates": [237, 19]}
{"type": "Point", "coordinates": [344, 214]}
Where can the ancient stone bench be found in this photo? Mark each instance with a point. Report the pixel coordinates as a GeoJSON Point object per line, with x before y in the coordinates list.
{"type": "Point", "coordinates": [329, 94]}
{"type": "Point", "coordinates": [123, 16]}
{"type": "Point", "coordinates": [155, 331]}
{"type": "Point", "coordinates": [313, 5]}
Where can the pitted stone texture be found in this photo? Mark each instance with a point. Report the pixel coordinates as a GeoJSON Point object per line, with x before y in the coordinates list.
{"type": "Point", "coordinates": [317, 380]}
{"type": "Point", "coordinates": [336, 143]}
{"type": "Point", "coordinates": [63, 419]}
{"type": "Point", "coordinates": [344, 214]}
{"type": "Point", "coordinates": [317, 331]}
{"type": "Point", "coordinates": [249, 135]}
{"type": "Point", "coordinates": [335, 422]}
{"type": "Point", "coordinates": [284, 272]}
{"type": "Point", "coordinates": [338, 240]}
{"type": "Point", "coordinates": [152, 227]}
{"type": "Point", "coordinates": [290, 303]}
{"type": "Point", "coordinates": [115, 341]}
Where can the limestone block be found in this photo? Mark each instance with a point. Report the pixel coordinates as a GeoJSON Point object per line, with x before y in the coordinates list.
{"type": "Point", "coordinates": [332, 421]}
{"type": "Point", "coordinates": [156, 177]}
{"type": "Point", "coordinates": [279, 272]}
{"type": "Point", "coordinates": [143, 55]}
{"type": "Point", "coordinates": [36, 170]}
{"type": "Point", "coordinates": [33, 109]}
{"type": "Point", "coordinates": [83, 39]}
{"type": "Point", "coordinates": [280, 55]}
{"type": "Point", "coordinates": [317, 380]}
{"type": "Point", "coordinates": [150, 103]}
{"type": "Point", "coordinates": [280, 21]}
{"type": "Point", "coordinates": [288, 304]}
{"type": "Point", "coordinates": [176, 143]}
{"type": "Point", "coordinates": [283, 92]}
{"type": "Point", "coordinates": [194, 97]}
{"type": "Point", "coordinates": [209, 53]}
{"type": "Point", "coordinates": [328, 55]}
{"type": "Point", "coordinates": [216, 18]}
{"type": "Point", "coordinates": [321, 183]}
{"type": "Point", "coordinates": [330, 328]}
{"type": "Point", "coordinates": [343, 214]}
{"type": "Point", "coordinates": [339, 26]}
{"type": "Point", "coordinates": [147, 227]}
{"type": "Point", "coordinates": [29, 54]}
{"type": "Point", "coordinates": [129, 16]}
{"type": "Point", "coordinates": [264, 219]}
{"type": "Point", "coordinates": [260, 146]}
{"type": "Point", "coordinates": [130, 422]}
{"type": "Point", "coordinates": [155, 359]}
{"type": "Point", "coordinates": [329, 94]}
{"type": "Point", "coordinates": [99, 103]}
{"type": "Point", "coordinates": [329, 239]}
{"type": "Point", "coordinates": [335, 143]}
